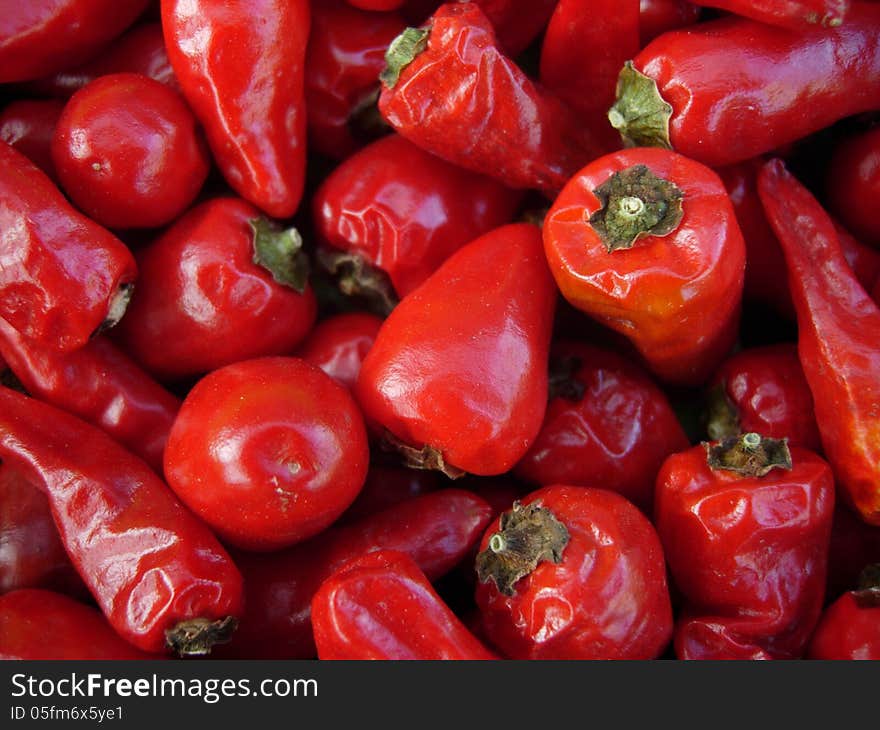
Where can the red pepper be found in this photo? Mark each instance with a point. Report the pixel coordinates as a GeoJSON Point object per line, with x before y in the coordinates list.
{"type": "Point", "coordinates": [705, 112]}
{"type": "Point", "coordinates": [586, 43]}
{"type": "Point", "coordinates": [28, 125]}
{"type": "Point", "coordinates": [241, 68]}
{"type": "Point", "coordinates": [646, 242]}
{"type": "Point", "coordinates": [449, 89]}
{"type": "Point", "coordinates": [436, 530]}
{"type": "Point", "coordinates": [514, 28]}
{"type": "Point", "coordinates": [100, 384]}
{"type": "Point", "coordinates": [850, 627]}
{"type": "Point", "coordinates": [763, 389]}
{"type": "Point", "coordinates": [387, 486]}
{"type": "Point", "coordinates": [129, 152]}
{"type": "Point", "coordinates": [660, 16]}
{"type": "Point", "coordinates": [366, 610]}
{"type": "Point", "coordinates": [41, 38]}
{"type": "Point", "coordinates": [157, 573]}
{"type": "Point", "coordinates": [607, 425]}
{"type": "Point", "coordinates": [745, 525]}
{"type": "Point", "coordinates": [345, 55]}
{"type": "Point", "coordinates": [63, 276]}
{"type": "Point", "coordinates": [339, 344]}
{"type": "Point", "coordinates": [853, 183]}
{"type": "Point", "coordinates": [574, 573]}
{"type": "Point", "coordinates": [793, 14]}
{"type": "Point", "coordinates": [377, 5]}
{"type": "Point", "coordinates": [39, 624]}
{"type": "Point", "coordinates": [836, 325]}
{"type": "Point", "coordinates": [854, 544]}
{"type": "Point", "coordinates": [395, 207]}
{"type": "Point", "coordinates": [221, 284]}
{"type": "Point", "coordinates": [458, 372]}
{"type": "Point", "coordinates": [268, 452]}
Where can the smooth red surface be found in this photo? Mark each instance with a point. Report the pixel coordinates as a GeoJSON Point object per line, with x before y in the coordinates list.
{"type": "Point", "coordinates": [202, 301]}
{"type": "Point", "coordinates": [793, 14]}
{"type": "Point", "coordinates": [148, 562]}
{"type": "Point", "coordinates": [405, 211]}
{"type": "Point", "coordinates": [129, 152]}
{"type": "Point", "coordinates": [853, 184]}
{"type": "Point", "coordinates": [436, 530]}
{"type": "Point", "coordinates": [837, 320]}
{"type": "Point", "coordinates": [28, 125]}
{"type": "Point", "coordinates": [60, 269]}
{"type": "Point", "coordinates": [268, 452]}
{"type": "Point", "coordinates": [241, 68]}
{"type": "Point", "coordinates": [676, 297]}
{"type": "Point", "coordinates": [748, 554]}
{"type": "Point", "coordinates": [659, 16]}
{"type": "Point", "coordinates": [847, 631]}
{"type": "Point", "coordinates": [381, 606]}
{"type": "Point", "coordinates": [615, 437]}
{"type": "Point", "coordinates": [339, 344]}
{"type": "Point", "coordinates": [607, 599]}
{"type": "Point", "coordinates": [461, 363]}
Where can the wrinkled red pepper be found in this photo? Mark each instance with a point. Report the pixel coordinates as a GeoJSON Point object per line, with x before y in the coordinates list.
{"type": "Point", "coordinates": [157, 573]}
{"type": "Point", "coordinates": [792, 14]}
{"type": "Point", "coordinates": [837, 321]}
{"type": "Point", "coordinates": [64, 277]}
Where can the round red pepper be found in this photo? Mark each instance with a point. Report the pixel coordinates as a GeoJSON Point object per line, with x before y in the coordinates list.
{"type": "Point", "coordinates": [268, 452]}
{"type": "Point", "coordinates": [28, 125]}
{"type": "Point", "coordinates": [339, 344]}
{"type": "Point", "coordinates": [850, 627]}
{"type": "Point", "coordinates": [853, 184]}
{"type": "Point", "coordinates": [129, 153]}
{"type": "Point", "coordinates": [574, 573]}
{"type": "Point", "coordinates": [646, 242]}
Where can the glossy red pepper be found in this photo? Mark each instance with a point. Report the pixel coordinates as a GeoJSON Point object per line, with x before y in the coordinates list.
{"type": "Point", "coordinates": [157, 573]}
{"type": "Point", "coordinates": [850, 627]}
{"type": "Point", "coordinates": [574, 573]}
{"type": "Point", "coordinates": [40, 624]}
{"type": "Point", "coordinates": [241, 68]}
{"type": "Point", "coordinates": [382, 606]}
{"type": "Point", "coordinates": [402, 210]}
{"type": "Point", "coordinates": [41, 38]}
{"type": "Point", "coordinates": [660, 16]}
{"type": "Point", "coordinates": [458, 372]}
{"type": "Point", "coordinates": [745, 525]}
{"type": "Point", "coordinates": [28, 125]}
{"type": "Point", "coordinates": [584, 46]}
{"type": "Point", "coordinates": [345, 55]}
{"type": "Point", "coordinates": [339, 344]}
{"type": "Point", "coordinates": [386, 486]}
{"type": "Point", "coordinates": [763, 389]}
{"type": "Point", "coordinates": [436, 530]}
{"type": "Point", "coordinates": [206, 302]}
{"type": "Point", "coordinates": [707, 113]}
{"type": "Point", "coordinates": [63, 275]}
{"type": "Point", "coordinates": [792, 14]}
{"type": "Point", "coordinates": [607, 425]}
{"type": "Point", "coordinates": [129, 152]}
{"type": "Point", "coordinates": [268, 452]}
{"type": "Point", "coordinates": [853, 183]}
{"type": "Point", "coordinates": [449, 89]}
{"type": "Point", "coordinates": [836, 322]}
{"type": "Point", "coordinates": [646, 242]}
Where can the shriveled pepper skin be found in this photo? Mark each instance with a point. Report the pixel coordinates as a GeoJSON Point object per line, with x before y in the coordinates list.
{"type": "Point", "coordinates": [607, 597]}
{"type": "Point", "coordinates": [28, 125]}
{"type": "Point", "coordinates": [100, 384]}
{"type": "Point", "coordinates": [792, 14]}
{"type": "Point", "coordinates": [63, 276]}
{"type": "Point", "coordinates": [149, 563]}
{"type": "Point", "coordinates": [436, 530]}
{"type": "Point", "coordinates": [848, 629]}
{"type": "Point", "coordinates": [41, 624]}
{"type": "Point", "coordinates": [463, 100]}
{"type": "Point", "coordinates": [719, 117]}
{"type": "Point", "coordinates": [381, 606]}
{"type": "Point", "coordinates": [853, 183]}
{"type": "Point", "coordinates": [837, 320]}
{"type": "Point", "coordinates": [460, 365]}
{"type": "Point", "coordinates": [339, 344]}
{"type": "Point", "coordinates": [676, 296]}
{"type": "Point", "coordinates": [405, 211]}
{"type": "Point", "coordinates": [747, 553]}
{"type": "Point", "coordinates": [241, 68]}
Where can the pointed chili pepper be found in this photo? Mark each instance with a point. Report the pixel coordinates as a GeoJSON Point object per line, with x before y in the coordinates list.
{"type": "Point", "coordinates": [745, 525]}
{"type": "Point", "coordinates": [705, 112]}
{"type": "Point", "coordinates": [646, 242]}
{"type": "Point", "coordinates": [836, 319]}
{"type": "Point", "coordinates": [449, 88]}
{"type": "Point", "coordinates": [241, 68]}
{"type": "Point", "coordinates": [64, 277]}
{"type": "Point", "coordinates": [365, 609]}
{"type": "Point", "coordinates": [792, 14]}
{"type": "Point", "coordinates": [157, 573]}
{"type": "Point", "coordinates": [850, 627]}
{"type": "Point", "coordinates": [458, 372]}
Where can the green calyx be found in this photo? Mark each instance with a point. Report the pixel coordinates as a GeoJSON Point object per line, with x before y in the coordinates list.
{"type": "Point", "coordinates": [401, 52]}
{"type": "Point", "coordinates": [640, 113]}
{"type": "Point", "coordinates": [280, 253]}
{"type": "Point", "coordinates": [750, 454]}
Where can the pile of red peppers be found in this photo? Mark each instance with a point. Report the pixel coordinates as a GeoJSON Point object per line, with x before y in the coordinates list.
{"type": "Point", "coordinates": [400, 329]}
